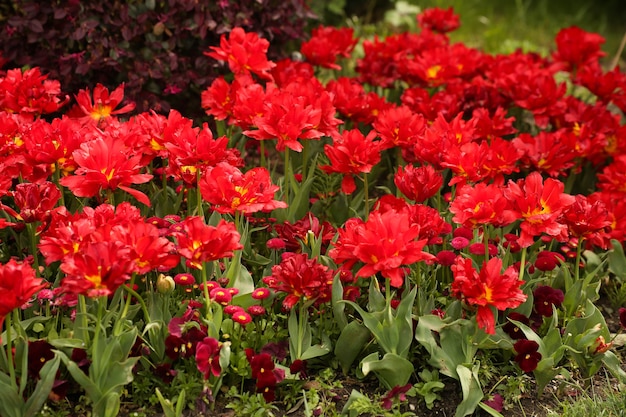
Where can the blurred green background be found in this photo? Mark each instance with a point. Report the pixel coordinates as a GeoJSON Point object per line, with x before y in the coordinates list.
{"type": "Point", "coordinates": [497, 26]}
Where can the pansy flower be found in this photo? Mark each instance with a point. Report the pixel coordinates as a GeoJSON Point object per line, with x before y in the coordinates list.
{"type": "Point", "coordinates": [527, 354]}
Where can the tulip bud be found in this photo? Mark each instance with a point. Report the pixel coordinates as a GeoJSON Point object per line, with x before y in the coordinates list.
{"type": "Point", "coordinates": [165, 284]}
{"type": "Point", "coordinates": [600, 346]}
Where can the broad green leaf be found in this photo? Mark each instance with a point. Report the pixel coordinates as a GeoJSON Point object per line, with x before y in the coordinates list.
{"type": "Point", "coordinates": [166, 405]}
{"type": "Point", "coordinates": [403, 323]}
{"type": "Point", "coordinates": [470, 386]}
{"type": "Point", "coordinates": [489, 410]}
{"type": "Point", "coordinates": [338, 307]}
{"type": "Point", "coordinates": [47, 375]}
{"type": "Point", "coordinates": [392, 370]}
{"type": "Point", "coordinates": [614, 366]}
{"type": "Point", "coordinates": [315, 351]}
{"type": "Point", "coordinates": [92, 390]}
{"type": "Point", "coordinates": [438, 358]}
{"type": "Point", "coordinates": [350, 343]}
{"type": "Point", "coordinates": [617, 260]}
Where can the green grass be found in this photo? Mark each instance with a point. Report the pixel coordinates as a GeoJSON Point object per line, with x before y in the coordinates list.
{"type": "Point", "coordinates": [501, 26]}
{"type": "Point", "coordinates": [607, 400]}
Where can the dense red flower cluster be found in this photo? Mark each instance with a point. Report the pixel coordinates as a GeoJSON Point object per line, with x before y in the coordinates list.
{"type": "Point", "coordinates": [494, 143]}
{"type": "Point", "coordinates": [244, 52]}
{"type": "Point", "coordinates": [100, 248]}
{"type": "Point", "coordinates": [352, 154]}
{"type": "Point", "coordinates": [102, 105]}
{"type": "Point", "coordinates": [198, 242]}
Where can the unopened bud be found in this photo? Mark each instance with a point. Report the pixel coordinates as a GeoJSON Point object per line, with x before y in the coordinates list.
{"type": "Point", "coordinates": [165, 284]}
{"type": "Point", "coordinates": [600, 346]}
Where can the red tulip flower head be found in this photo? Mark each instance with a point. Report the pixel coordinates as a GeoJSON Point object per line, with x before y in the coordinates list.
{"type": "Point", "coordinates": [328, 43]}
{"type": "Point", "coordinates": [439, 20]}
{"type": "Point", "coordinates": [487, 288]}
{"type": "Point", "coordinates": [30, 93]}
{"type": "Point", "coordinates": [244, 52]}
{"type": "Point", "coordinates": [229, 190]}
{"type": "Point", "coordinates": [301, 278]}
{"type": "Point", "coordinates": [418, 183]}
{"type": "Point", "coordinates": [103, 104]}
{"type": "Point", "coordinates": [104, 164]}
{"type": "Point", "coordinates": [383, 244]}
{"type": "Point", "coordinates": [199, 242]}
{"type": "Point", "coordinates": [35, 201]}
{"type": "Point", "coordinates": [540, 205]}
{"type": "Point", "coordinates": [17, 284]}
{"type": "Point", "coordinates": [352, 153]}
{"type": "Point", "coordinates": [576, 48]}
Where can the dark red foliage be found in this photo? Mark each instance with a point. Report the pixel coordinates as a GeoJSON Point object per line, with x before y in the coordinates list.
{"type": "Point", "coordinates": [156, 48]}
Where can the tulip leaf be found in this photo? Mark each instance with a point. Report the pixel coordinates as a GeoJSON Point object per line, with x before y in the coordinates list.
{"type": "Point", "coordinates": [472, 393]}
{"type": "Point", "coordinates": [350, 343]}
{"type": "Point", "coordinates": [617, 260]}
{"type": "Point", "coordinates": [392, 370]}
{"type": "Point", "coordinates": [47, 375]}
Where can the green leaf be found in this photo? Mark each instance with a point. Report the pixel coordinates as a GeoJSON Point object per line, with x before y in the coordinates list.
{"type": "Point", "coordinates": [350, 343]}
{"type": "Point", "coordinates": [614, 366]}
{"type": "Point", "coordinates": [47, 375]}
{"type": "Point", "coordinates": [545, 372]}
{"type": "Point", "coordinates": [392, 370]}
{"type": "Point", "coordinates": [315, 351]}
{"type": "Point", "coordinates": [376, 299]}
{"type": "Point", "coordinates": [92, 390]}
{"type": "Point", "coordinates": [472, 393]}
{"type": "Point", "coordinates": [403, 323]}
{"type": "Point", "coordinates": [239, 276]}
{"type": "Point", "coordinates": [180, 403]}
{"type": "Point", "coordinates": [617, 260]}
{"type": "Point", "coordinates": [166, 405]}
{"type": "Point", "coordinates": [299, 338]}
{"type": "Point", "coordinates": [338, 307]}
{"type": "Point", "coordinates": [438, 357]}
{"type": "Point", "coordinates": [11, 404]}
{"type": "Point", "coordinates": [67, 343]}
{"type": "Point", "coordinates": [489, 410]}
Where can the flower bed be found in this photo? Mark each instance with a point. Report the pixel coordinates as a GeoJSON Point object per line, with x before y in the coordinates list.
{"type": "Point", "coordinates": [443, 216]}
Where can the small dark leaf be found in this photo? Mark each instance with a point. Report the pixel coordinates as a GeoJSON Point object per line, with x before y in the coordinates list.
{"type": "Point", "coordinates": [35, 26]}
{"type": "Point", "coordinates": [60, 13]}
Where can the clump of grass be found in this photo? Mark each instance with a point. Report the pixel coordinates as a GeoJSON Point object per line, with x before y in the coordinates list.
{"type": "Point", "coordinates": [605, 400]}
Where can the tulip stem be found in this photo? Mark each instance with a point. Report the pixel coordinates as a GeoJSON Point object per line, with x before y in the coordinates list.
{"type": "Point", "coordinates": [287, 176]}
{"type": "Point", "coordinates": [522, 264]}
{"type": "Point", "coordinates": [9, 325]}
{"type": "Point", "coordinates": [305, 156]}
{"type": "Point", "coordinates": [577, 265]}
{"type": "Point", "coordinates": [32, 237]}
{"type": "Point", "coordinates": [118, 323]}
{"type": "Point", "coordinates": [366, 195]}
{"type": "Point", "coordinates": [262, 152]}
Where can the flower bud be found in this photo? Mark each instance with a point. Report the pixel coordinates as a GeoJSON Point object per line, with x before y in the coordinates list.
{"type": "Point", "coordinates": [600, 346]}
{"type": "Point", "coordinates": [165, 284]}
